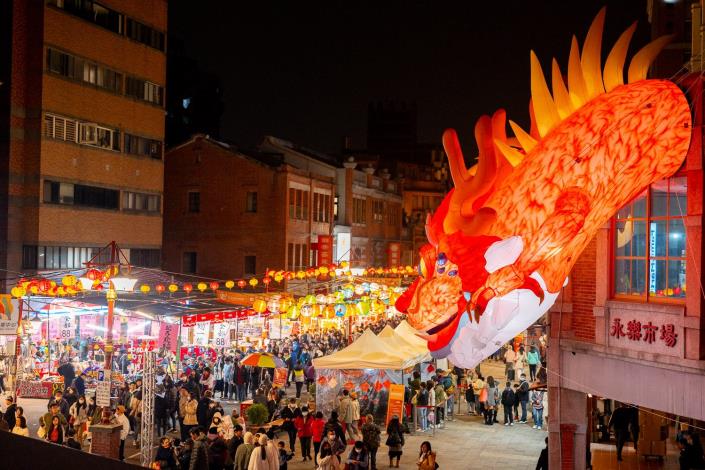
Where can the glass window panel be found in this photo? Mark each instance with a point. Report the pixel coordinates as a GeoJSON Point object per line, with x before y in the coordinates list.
{"type": "Point", "coordinates": [639, 206]}
{"type": "Point", "coordinates": [639, 239]}
{"type": "Point", "coordinates": [676, 278]}
{"type": "Point", "coordinates": [638, 273]}
{"type": "Point", "coordinates": [676, 238]}
{"type": "Point", "coordinates": [657, 277]}
{"type": "Point", "coordinates": [623, 245]}
{"type": "Point", "coordinates": [659, 199]}
{"type": "Point", "coordinates": [41, 258]}
{"type": "Point", "coordinates": [657, 238]}
{"type": "Point", "coordinates": [622, 280]}
{"type": "Point", "coordinates": [56, 258]}
{"type": "Point", "coordinates": [678, 201]}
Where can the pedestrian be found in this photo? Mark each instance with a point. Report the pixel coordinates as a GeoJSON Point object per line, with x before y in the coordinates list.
{"type": "Point", "coordinates": [203, 409]}
{"type": "Point", "coordinates": [440, 399]}
{"type": "Point", "coordinates": [542, 463]}
{"type": "Point", "coordinates": [79, 417]}
{"type": "Point", "coordinates": [46, 420]}
{"type": "Point", "coordinates": [345, 411]}
{"type": "Point", "coordinates": [284, 456]}
{"type": "Point", "coordinates": [421, 399]}
{"type": "Point", "coordinates": [520, 361]}
{"type": "Point", "coordinates": [190, 414]}
{"type": "Point", "coordinates": [304, 429]}
{"type": "Point", "coordinates": [395, 440]}
{"type": "Point", "coordinates": [243, 453]}
{"type": "Point", "coordinates": [523, 396]}
{"type": "Point", "coordinates": [122, 420]}
{"type": "Point", "coordinates": [355, 410]}
{"type": "Point", "coordinates": [334, 425]}
{"type": "Point", "coordinates": [326, 459]}
{"type": "Point", "coordinates": [199, 452]}
{"type": "Point", "coordinates": [20, 427]}
{"type": "Point", "coordinates": [71, 440]}
{"type": "Point", "coordinates": [491, 401]}
{"type": "Point", "coordinates": [507, 401]}
{"type": "Point", "coordinates": [217, 450]}
{"type": "Point", "coordinates": [233, 444]}
{"type": "Point", "coordinates": [533, 358]}
{"type": "Point", "coordinates": [10, 412]}
{"type": "Point", "coordinates": [289, 414]}
{"type": "Point", "coordinates": [619, 421]}
{"type": "Point", "coordinates": [61, 402]}
{"type": "Point", "coordinates": [358, 458]}
{"type": "Point", "coordinates": [516, 402]}
{"type": "Point", "coordinates": [509, 358]}
{"type": "Point", "coordinates": [299, 378]}
{"type": "Point", "coordinates": [371, 437]}
{"type": "Point", "coordinates": [166, 455]}
{"type": "Point", "coordinates": [537, 408]}
{"type": "Point", "coordinates": [477, 386]}
{"type": "Point", "coordinates": [337, 447]}
{"type": "Point", "coordinates": [427, 457]}
{"type": "Point", "coordinates": [317, 429]}
{"type": "Point", "coordinates": [262, 457]}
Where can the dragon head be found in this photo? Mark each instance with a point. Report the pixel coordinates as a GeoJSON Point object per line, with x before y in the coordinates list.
{"type": "Point", "coordinates": [504, 240]}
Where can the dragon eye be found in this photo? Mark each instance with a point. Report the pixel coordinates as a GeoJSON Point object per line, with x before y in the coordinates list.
{"type": "Point", "coordinates": [442, 259]}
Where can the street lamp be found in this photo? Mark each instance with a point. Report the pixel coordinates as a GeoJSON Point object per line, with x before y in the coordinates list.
{"type": "Point", "coordinates": [111, 297]}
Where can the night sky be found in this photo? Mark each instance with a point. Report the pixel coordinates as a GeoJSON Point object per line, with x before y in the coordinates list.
{"type": "Point", "coordinates": [306, 71]}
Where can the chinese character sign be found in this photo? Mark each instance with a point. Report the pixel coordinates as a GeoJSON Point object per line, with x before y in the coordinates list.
{"type": "Point", "coordinates": [646, 332]}
{"type": "Point", "coordinates": [168, 333]}
{"type": "Point", "coordinates": [325, 249]}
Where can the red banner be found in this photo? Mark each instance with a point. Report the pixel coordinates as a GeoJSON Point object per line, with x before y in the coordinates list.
{"type": "Point", "coordinates": [168, 333]}
{"type": "Point", "coordinates": [325, 249]}
{"type": "Point", "coordinates": [394, 250]}
{"type": "Point", "coordinates": [218, 317]}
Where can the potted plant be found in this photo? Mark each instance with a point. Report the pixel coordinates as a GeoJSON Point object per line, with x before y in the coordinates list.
{"type": "Point", "coordinates": [257, 414]}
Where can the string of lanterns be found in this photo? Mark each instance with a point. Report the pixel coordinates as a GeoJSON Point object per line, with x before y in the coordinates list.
{"type": "Point", "coordinates": [95, 280]}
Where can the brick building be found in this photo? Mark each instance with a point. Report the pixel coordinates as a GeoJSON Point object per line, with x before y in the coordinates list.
{"type": "Point", "coordinates": [81, 131]}
{"type": "Point", "coordinates": [629, 326]}
{"type": "Point", "coordinates": [369, 229]}
{"type": "Point", "coordinates": [231, 214]}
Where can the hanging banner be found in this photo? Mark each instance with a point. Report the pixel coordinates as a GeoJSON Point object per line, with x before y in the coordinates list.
{"type": "Point", "coordinates": [428, 370]}
{"type": "Point", "coordinates": [280, 377]}
{"type": "Point", "coordinates": [200, 334]}
{"type": "Point", "coordinates": [395, 404]}
{"type": "Point", "coordinates": [9, 315]}
{"type": "Point", "coordinates": [277, 332]}
{"type": "Point", "coordinates": [68, 328]}
{"type": "Point", "coordinates": [221, 335]}
{"type": "Point", "coordinates": [168, 333]}
{"type": "Point", "coordinates": [325, 249]}
{"type": "Point", "coordinates": [394, 251]}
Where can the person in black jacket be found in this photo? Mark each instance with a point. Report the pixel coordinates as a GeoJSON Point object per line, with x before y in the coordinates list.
{"type": "Point", "coordinates": [203, 409]}
{"type": "Point", "coordinates": [61, 403]}
{"type": "Point", "coordinates": [507, 400]}
{"type": "Point", "coordinates": [67, 371]}
{"type": "Point", "coordinates": [619, 421]}
{"type": "Point", "coordinates": [542, 464]}
{"type": "Point", "coordinates": [9, 415]}
{"type": "Point", "coordinates": [288, 414]}
{"type": "Point", "coordinates": [79, 383]}
{"type": "Point", "coordinates": [236, 441]}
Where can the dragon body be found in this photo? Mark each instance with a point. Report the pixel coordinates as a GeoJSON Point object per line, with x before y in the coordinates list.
{"type": "Point", "coordinates": [503, 241]}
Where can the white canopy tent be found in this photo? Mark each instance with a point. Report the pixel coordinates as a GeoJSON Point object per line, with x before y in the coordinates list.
{"type": "Point", "coordinates": [368, 352]}
{"type": "Point", "coordinates": [415, 351]}
{"type": "Point", "coordinates": [410, 334]}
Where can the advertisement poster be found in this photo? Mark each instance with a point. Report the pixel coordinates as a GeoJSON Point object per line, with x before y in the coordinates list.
{"type": "Point", "coordinates": [68, 328]}
{"type": "Point", "coordinates": [9, 315]}
{"type": "Point", "coordinates": [274, 329]}
{"type": "Point", "coordinates": [200, 334]}
{"type": "Point", "coordinates": [280, 377]}
{"type": "Point", "coordinates": [396, 402]}
{"type": "Point", "coordinates": [168, 335]}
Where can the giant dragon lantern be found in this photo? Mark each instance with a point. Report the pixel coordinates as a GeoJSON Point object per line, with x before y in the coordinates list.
{"type": "Point", "coordinates": [503, 241]}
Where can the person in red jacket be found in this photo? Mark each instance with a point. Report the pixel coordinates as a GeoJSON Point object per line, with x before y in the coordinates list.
{"type": "Point", "coordinates": [317, 426]}
{"type": "Point", "coordinates": [304, 429]}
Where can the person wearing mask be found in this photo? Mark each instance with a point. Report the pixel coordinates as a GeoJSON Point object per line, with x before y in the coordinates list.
{"type": "Point", "coordinates": [244, 452]}
{"type": "Point", "coordinates": [395, 440]}
{"type": "Point", "coordinates": [234, 443]}
{"type": "Point", "coordinates": [507, 404]}
{"type": "Point", "coordinates": [289, 414]}
{"type": "Point", "coordinates": [184, 398]}
{"type": "Point", "coordinates": [299, 378]}
{"type": "Point", "coordinates": [304, 429]}
{"type": "Point", "coordinates": [79, 383]}
{"type": "Point", "coordinates": [20, 427]}
{"type": "Point", "coordinates": [427, 457]}
{"type": "Point", "coordinates": [345, 413]}
{"type": "Point", "coordinates": [228, 388]}
{"type": "Point", "coordinates": [520, 361]}
{"type": "Point", "coordinates": [61, 403]}
{"type": "Point", "coordinates": [326, 459]}
{"type": "Point", "coordinates": [203, 409]}
{"type": "Point", "coordinates": [477, 386]}
{"type": "Point", "coordinates": [533, 358]}
{"type": "Point", "coordinates": [10, 412]}
{"type": "Point", "coordinates": [217, 449]}
{"type": "Point", "coordinates": [358, 458]}
{"type": "Point", "coordinates": [122, 420]}
{"type": "Point", "coordinates": [537, 408]}
{"type": "Point", "coordinates": [79, 417]}
{"type": "Point", "coordinates": [46, 420]}
{"type": "Point", "coordinates": [523, 397]}
{"type": "Point", "coordinates": [190, 413]}
{"type": "Point", "coordinates": [317, 430]}
{"type": "Point", "coordinates": [337, 447]}
{"type": "Point", "coordinates": [509, 357]}
{"type": "Point", "coordinates": [207, 381]}
{"type": "Point", "coordinates": [491, 401]}
{"type": "Point", "coordinates": [334, 425]}
{"type": "Point", "coordinates": [371, 437]}
{"type": "Point", "coordinates": [199, 452]}
{"type": "Point", "coordinates": [166, 456]}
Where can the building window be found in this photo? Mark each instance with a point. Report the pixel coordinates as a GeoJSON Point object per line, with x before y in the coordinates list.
{"type": "Point", "coordinates": [146, 258]}
{"type": "Point", "coordinates": [321, 207]}
{"type": "Point", "coordinates": [136, 145]}
{"type": "Point", "coordinates": [145, 34]}
{"type": "Point", "coordinates": [189, 262]}
{"type": "Point", "coordinates": [80, 195]}
{"type": "Point", "coordinates": [298, 204]}
{"type": "Point", "coordinates": [56, 257]}
{"type": "Point", "coordinates": [251, 204]}
{"type": "Point", "coordinates": [297, 256]}
{"type": "Point", "coordinates": [194, 201]}
{"type": "Point", "coordinates": [250, 266]}
{"type": "Point", "coordinates": [93, 12]}
{"type": "Point", "coordinates": [84, 71]}
{"type": "Point", "coordinates": [144, 90]}
{"type": "Point", "coordinates": [650, 244]}
{"type": "Point", "coordinates": [97, 136]}
{"type": "Point", "coordinates": [378, 211]}
{"type": "Point", "coordinates": [140, 202]}
{"type": "Point", "coordinates": [60, 128]}
{"type": "Point", "coordinates": [359, 209]}
{"type": "Point", "coordinates": [393, 215]}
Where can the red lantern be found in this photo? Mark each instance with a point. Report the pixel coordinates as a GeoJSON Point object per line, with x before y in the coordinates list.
{"type": "Point", "coordinates": [188, 288]}
{"type": "Point", "coordinates": [266, 280]}
{"type": "Point", "coordinates": [159, 288]}
{"type": "Point", "coordinates": [241, 283]}
{"type": "Point", "coordinates": [98, 287]}
{"type": "Point", "coordinates": [94, 274]}
{"type": "Point", "coordinates": [214, 285]}
{"type": "Point", "coordinates": [44, 285]}
{"type": "Point", "coordinates": [290, 276]}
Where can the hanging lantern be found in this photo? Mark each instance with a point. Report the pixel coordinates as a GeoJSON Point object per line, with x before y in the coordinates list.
{"type": "Point", "coordinates": [278, 277]}
{"type": "Point", "coordinates": [144, 288]}
{"type": "Point", "coordinates": [273, 305]}
{"type": "Point", "coordinates": [266, 280]}
{"type": "Point", "coordinates": [339, 310]}
{"type": "Point", "coordinates": [18, 292]}
{"type": "Point", "coordinates": [344, 264]}
{"type": "Point", "coordinates": [350, 310]}
{"type": "Point", "coordinates": [229, 284]}
{"type": "Point", "coordinates": [300, 274]}
{"type": "Point", "coordinates": [310, 272]}
{"type": "Point", "coordinates": [306, 310]}
{"type": "Point", "coordinates": [363, 307]}
{"type": "Point", "coordinates": [323, 270]}
{"type": "Point", "coordinates": [214, 285]}
{"type": "Point", "coordinates": [99, 287]}
{"type": "Point", "coordinates": [310, 299]}
{"type": "Point", "coordinates": [188, 288]}
{"type": "Point", "coordinates": [284, 304]}
{"type": "Point", "coordinates": [93, 274]}
{"type": "Point", "coordinates": [159, 288]}
{"type": "Point", "coordinates": [34, 289]}
{"type": "Point", "coordinates": [316, 310]}
{"type": "Point", "coordinates": [259, 306]}
{"type": "Point", "coordinates": [332, 273]}
{"type": "Point", "coordinates": [329, 312]}
{"type": "Point", "coordinates": [44, 285]}
{"type": "Point", "coordinates": [68, 280]}
{"type": "Point", "coordinates": [173, 288]}
{"type": "Point", "coordinates": [270, 272]}
{"type": "Point", "coordinates": [202, 286]}
{"type": "Point", "coordinates": [320, 299]}
{"type": "Point", "coordinates": [254, 282]}
{"type": "Point", "coordinates": [293, 312]}
{"type": "Point", "coordinates": [241, 283]}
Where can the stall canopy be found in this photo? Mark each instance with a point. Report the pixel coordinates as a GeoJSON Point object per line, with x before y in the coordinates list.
{"type": "Point", "coordinates": [367, 352]}
{"type": "Point", "coordinates": [400, 344]}
{"type": "Point", "coordinates": [409, 334]}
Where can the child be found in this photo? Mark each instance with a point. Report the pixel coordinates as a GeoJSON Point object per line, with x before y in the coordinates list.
{"type": "Point", "coordinates": [284, 456]}
{"type": "Point", "coordinates": [516, 402]}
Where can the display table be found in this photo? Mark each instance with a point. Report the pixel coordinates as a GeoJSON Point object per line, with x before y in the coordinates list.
{"type": "Point", "coordinates": [37, 388]}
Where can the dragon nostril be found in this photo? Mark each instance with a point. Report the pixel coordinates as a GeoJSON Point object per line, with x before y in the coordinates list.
{"type": "Point", "coordinates": [441, 270]}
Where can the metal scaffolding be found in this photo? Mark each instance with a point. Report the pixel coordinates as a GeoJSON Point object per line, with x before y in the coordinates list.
{"type": "Point", "coordinates": [148, 385]}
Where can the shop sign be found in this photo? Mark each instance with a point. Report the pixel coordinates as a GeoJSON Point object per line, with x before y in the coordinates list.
{"type": "Point", "coordinates": [275, 332]}
{"type": "Point", "coordinates": [394, 257]}
{"type": "Point", "coordinates": [251, 331]}
{"type": "Point", "coordinates": [655, 330]}
{"type": "Point", "coordinates": [325, 249]}
{"type": "Point", "coordinates": [102, 394]}
{"type": "Point", "coordinates": [188, 321]}
{"type": "Point", "coordinates": [168, 333]}
{"type": "Point", "coordinates": [396, 401]}
{"type": "Point", "coordinates": [34, 389]}
{"type": "Point", "coordinates": [200, 334]}
{"type": "Point", "coordinates": [221, 335]}
{"type": "Point", "coordinates": [634, 330]}
{"type": "Point", "coordinates": [68, 328]}
{"type": "Point", "coordinates": [9, 315]}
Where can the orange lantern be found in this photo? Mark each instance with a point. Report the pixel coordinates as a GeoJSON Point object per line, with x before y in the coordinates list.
{"type": "Point", "coordinates": [159, 288]}
{"type": "Point", "coordinates": [241, 283]}
{"type": "Point", "coordinates": [188, 288]}
{"type": "Point", "coordinates": [259, 306]}
{"type": "Point", "coordinates": [266, 280]}
{"type": "Point", "coordinates": [214, 285]}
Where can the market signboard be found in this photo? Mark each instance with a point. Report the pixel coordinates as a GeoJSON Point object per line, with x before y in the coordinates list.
{"type": "Point", "coordinates": [396, 402]}
{"type": "Point", "coordinates": [102, 394]}
{"type": "Point", "coordinates": [200, 334]}
{"type": "Point", "coordinates": [221, 335]}
{"type": "Point", "coordinates": [9, 315]}
{"type": "Point", "coordinates": [68, 328]}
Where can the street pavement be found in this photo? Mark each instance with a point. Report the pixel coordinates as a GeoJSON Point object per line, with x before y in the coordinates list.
{"type": "Point", "coordinates": [464, 443]}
